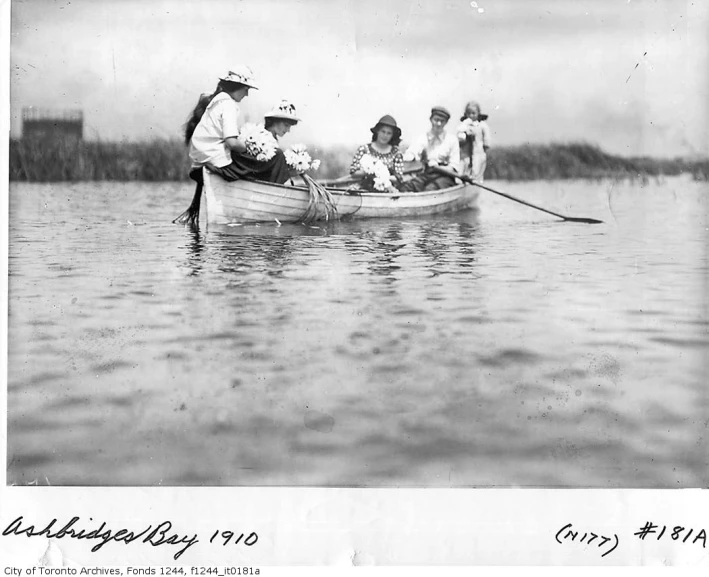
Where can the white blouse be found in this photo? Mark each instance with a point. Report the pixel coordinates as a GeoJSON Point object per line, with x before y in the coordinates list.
{"type": "Point", "coordinates": [219, 122]}
{"type": "Point", "coordinates": [443, 149]}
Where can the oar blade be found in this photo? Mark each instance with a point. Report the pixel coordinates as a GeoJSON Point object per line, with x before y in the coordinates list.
{"type": "Point", "coordinates": [584, 220]}
{"type": "Point", "coordinates": [469, 180]}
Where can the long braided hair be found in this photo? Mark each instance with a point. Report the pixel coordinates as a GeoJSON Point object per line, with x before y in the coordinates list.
{"type": "Point", "coordinates": [203, 102]}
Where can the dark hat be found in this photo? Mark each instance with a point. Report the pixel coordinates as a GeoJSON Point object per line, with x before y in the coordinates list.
{"type": "Point", "coordinates": [387, 120]}
{"type": "Point", "coordinates": [481, 116]}
{"type": "Point", "coordinates": [440, 110]}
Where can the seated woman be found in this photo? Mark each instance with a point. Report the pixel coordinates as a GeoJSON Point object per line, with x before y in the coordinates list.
{"type": "Point", "coordinates": [214, 139]}
{"type": "Point", "coordinates": [278, 121]}
{"type": "Point", "coordinates": [386, 136]}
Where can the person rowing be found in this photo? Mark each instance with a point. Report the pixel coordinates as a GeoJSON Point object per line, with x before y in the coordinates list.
{"type": "Point", "coordinates": [434, 148]}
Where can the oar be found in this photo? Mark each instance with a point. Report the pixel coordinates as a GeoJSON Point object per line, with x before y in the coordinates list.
{"type": "Point", "coordinates": [471, 181]}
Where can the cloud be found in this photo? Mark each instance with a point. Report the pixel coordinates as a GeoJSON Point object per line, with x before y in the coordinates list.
{"type": "Point", "coordinates": [136, 68]}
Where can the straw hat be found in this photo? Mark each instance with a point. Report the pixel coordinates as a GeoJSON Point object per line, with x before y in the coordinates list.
{"type": "Point", "coordinates": [387, 120]}
{"type": "Point", "coordinates": [284, 110]}
{"type": "Point", "coordinates": [441, 111]}
{"type": "Point", "coordinates": [241, 74]}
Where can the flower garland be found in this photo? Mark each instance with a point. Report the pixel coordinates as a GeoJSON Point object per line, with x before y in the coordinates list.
{"type": "Point", "coordinates": [376, 168]}
{"type": "Point", "coordinates": [299, 159]}
{"type": "Point", "coordinates": [260, 143]}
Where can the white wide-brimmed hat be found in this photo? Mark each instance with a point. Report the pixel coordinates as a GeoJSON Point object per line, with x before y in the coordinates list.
{"type": "Point", "coordinates": [241, 74]}
{"type": "Point", "coordinates": [284, 109]}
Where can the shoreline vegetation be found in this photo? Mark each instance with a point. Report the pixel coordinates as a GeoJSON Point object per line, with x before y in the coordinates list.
{"type": "Point", "coordinates": [61, 160]}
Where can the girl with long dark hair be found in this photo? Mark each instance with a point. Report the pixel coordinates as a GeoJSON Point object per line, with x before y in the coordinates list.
{"type": "Point", "coordinates": [212, 134]}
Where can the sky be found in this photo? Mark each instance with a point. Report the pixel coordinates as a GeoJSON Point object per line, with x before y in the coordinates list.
{"type": "Point", "coordinates": [631, 76]}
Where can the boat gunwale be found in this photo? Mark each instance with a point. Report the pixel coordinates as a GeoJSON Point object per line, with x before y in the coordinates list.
{"type": "Point", "coordinates": [346, 192]}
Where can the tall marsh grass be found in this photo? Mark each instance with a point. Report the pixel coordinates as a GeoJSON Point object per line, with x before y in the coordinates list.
{"type": "Point", "coordinates": [47, 160]}
{"type": "Point", "coordinates": [580, 160]}
{"type": "Point", "coordinates": [34, 160]}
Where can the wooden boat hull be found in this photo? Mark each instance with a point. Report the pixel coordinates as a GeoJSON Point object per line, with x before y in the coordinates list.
{"type": "Point", "coordinates": [245, 201]}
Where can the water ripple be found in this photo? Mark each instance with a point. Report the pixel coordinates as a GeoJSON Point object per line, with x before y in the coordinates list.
{"type": "Point", "coordinates": [493, 348]}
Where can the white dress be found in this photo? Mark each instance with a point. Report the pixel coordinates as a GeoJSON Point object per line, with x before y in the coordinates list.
{"type": "Point", "coordinates": [474, 157]}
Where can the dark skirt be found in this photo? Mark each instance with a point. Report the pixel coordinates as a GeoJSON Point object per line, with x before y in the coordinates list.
{"type": "Point", "coordinates": [244, 167]}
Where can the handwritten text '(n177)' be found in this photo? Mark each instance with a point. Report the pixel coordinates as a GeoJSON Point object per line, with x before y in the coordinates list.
{"type": "Point", "coordinates": [588, 538]}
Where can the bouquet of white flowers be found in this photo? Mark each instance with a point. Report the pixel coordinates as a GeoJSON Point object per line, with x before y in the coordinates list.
{"type": "Point", "coordinates": [376, 169]}
{"type": "Point", "coordinates": [299, 159]}
{"type": "Point", "coordinates": [260, 143]}
{"type": "Point", "coordinates": [471, 128]}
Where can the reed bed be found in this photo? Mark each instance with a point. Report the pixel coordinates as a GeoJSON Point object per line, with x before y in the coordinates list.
{"type": "Point", "coordinates": [581, 160]}
{"type": "Point", "coordinates": [166, 160]}
{"type": "Point", "coordinates": [51, 160]}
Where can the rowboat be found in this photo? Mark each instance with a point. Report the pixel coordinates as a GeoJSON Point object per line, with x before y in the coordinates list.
{"type": "Point", "coordinates": [248, 201]}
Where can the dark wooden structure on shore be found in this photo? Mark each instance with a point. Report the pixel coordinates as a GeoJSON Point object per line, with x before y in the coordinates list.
{"type": "Point", "coordinates": [54, 124]}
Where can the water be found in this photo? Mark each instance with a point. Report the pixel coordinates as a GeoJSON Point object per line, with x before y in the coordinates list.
{"type": "Point", "coordinates": [494, 348]}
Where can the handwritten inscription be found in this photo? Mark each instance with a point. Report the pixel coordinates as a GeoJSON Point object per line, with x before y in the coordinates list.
{"type": "Point", "coordinates": [588, 538]}
{"type": "Point", "coordinates": [677, 533]}
{"type": "Point", "coordinates": [227, 536]}
{"type": "Point", "coordinates": [161, 534]}
{"type": "Point", "coordinates": [648, 531]}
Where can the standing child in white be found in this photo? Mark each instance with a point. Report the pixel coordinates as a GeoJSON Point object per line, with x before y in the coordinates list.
{"type": "Point", "coordinates": [474, 139]}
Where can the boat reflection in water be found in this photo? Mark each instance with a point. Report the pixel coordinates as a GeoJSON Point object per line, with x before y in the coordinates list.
{"type": "Point", "coordinates": [271, 248]}
{"type": "Point", "coordinates": [326, 327]}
